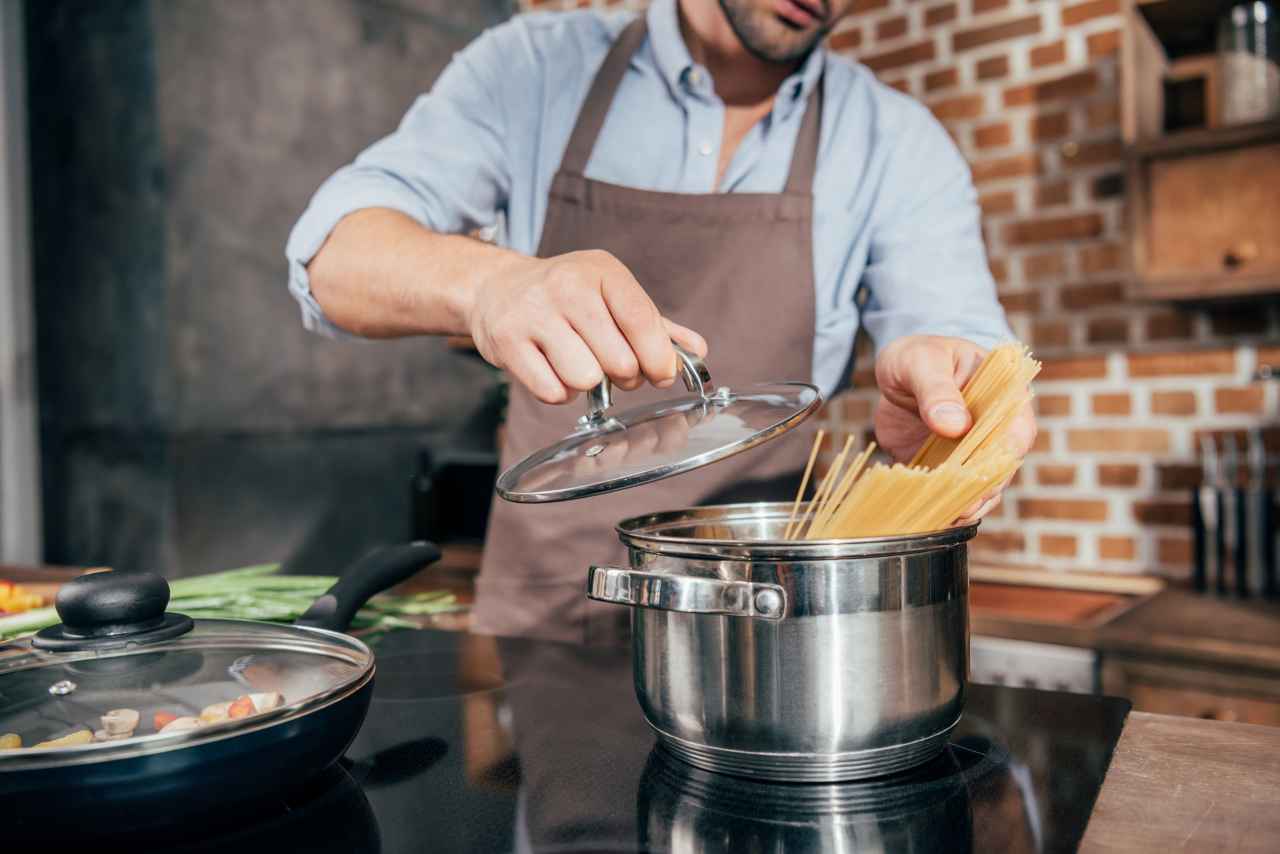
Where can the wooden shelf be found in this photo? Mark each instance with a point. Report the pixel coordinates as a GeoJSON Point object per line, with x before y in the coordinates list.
{"type": "Point", "coordinates": [1208, 288]}
{"type": "Point", "coordinates": [1183, 26]}
{"type": "Point", "coordinates": [1187, 142]}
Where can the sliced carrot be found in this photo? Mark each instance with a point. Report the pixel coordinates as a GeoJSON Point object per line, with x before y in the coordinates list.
{"type": "Point", "coordinates": [241, 707]}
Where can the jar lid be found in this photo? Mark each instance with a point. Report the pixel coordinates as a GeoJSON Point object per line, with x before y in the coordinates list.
{"type": "Point", "coordinates": [612, 450]}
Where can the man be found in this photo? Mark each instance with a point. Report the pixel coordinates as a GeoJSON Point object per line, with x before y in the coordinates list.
{"type": "Point", "coordinates": [705, 173]}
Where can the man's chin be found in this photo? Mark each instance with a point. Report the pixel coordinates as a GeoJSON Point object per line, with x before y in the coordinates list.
{"type": "Point", "coordinates": [771, 38]}
{"type": "Point", "coordinates": [786, 46]}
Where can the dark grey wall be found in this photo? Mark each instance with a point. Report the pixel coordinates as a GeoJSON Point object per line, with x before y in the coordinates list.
{"type": "Point", "coordinates": [189, 421]}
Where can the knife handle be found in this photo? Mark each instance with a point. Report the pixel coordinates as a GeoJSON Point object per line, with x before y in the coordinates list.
{"type": "Point", "coordinates": [1220, 541]}
{"type": "Point", "coordinates": [1199, 578]}
{"type": "Point", "coordinates": [1242, 542]}
{"type": "Point", "coordinates": [1266, 529]}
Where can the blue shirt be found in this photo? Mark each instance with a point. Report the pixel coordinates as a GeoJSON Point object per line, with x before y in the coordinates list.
{"type": "Point", "coordinates": [895, 211]}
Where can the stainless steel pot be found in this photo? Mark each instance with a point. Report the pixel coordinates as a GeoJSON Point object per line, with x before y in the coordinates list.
{"type": "Point", "coordinates": [810, 660]}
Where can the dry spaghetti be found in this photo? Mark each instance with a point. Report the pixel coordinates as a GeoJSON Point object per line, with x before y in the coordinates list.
{"type": "Point", "coordinates": [941, 482]}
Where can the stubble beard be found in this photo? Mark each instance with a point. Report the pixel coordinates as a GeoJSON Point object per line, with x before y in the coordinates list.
{"type": "Point", "coordinates": [758, 34]}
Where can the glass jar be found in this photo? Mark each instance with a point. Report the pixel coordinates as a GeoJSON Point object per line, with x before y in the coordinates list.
{"type": "Point", "coordinates": [1249, 61]}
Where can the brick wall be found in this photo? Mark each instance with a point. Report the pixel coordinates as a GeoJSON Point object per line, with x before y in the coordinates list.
{"type": "Point", "coordinates": [1029, 91]}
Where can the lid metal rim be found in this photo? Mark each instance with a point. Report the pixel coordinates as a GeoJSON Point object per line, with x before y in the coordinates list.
{"type": "Point", "coordinates": [339, 644]}
{"type": "Point", "coordinates": [569, 493]}
{"type": "Point", "coordinates": [633, 532]}
{"type": "Point", "coordinates": [31, 758]}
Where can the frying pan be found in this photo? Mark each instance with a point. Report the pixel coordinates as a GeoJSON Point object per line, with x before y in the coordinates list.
{"type": "Point", "coordinates": [117, 648]}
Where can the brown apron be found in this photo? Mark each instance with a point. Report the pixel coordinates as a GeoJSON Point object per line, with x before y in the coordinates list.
{"type": "Point", "coordinates": [737, 267]}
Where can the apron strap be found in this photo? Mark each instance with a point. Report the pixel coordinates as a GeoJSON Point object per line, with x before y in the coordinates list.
{"type": "Point", "coordinates": [600, 96]}
{"type": "Point", "coordinates": [582, 140]}
{"type": "Point", "coordinates": [804, 155]}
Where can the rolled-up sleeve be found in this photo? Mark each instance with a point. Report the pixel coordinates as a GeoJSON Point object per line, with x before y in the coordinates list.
{"type": "Point", "coordinates": [927, 270]}
{"type": "Point", "coordinates": [446, 166]}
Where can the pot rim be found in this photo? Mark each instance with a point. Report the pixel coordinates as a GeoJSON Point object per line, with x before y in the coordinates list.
{"type": "Point", "coordinates": [645, 533]}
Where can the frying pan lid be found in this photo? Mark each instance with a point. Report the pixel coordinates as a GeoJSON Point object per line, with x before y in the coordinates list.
{"type": "Point", "coordinates": [612, 450]}
{"type": "Point", "coordinates": [112, 679]}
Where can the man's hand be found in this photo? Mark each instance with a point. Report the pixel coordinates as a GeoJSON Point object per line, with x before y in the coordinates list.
{"type": "Point", "coordinates": [920, 377]}
{"type": "Point", "coordinates": [560, 325]}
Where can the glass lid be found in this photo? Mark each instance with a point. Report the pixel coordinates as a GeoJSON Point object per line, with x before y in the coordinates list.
{"type": "Point", "coordinates": [616, 450]}
{"type": "Point", "coordinates": [146, 688]}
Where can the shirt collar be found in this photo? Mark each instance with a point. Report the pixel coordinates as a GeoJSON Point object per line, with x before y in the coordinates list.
{"type": "Point", "coordinates": [676, 65]}
{"type": "Point", "coordinates": [669, 50]}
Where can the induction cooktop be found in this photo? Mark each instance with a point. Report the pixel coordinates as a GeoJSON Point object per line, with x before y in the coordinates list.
{"type": "Point", "coordinates": [476, 744]}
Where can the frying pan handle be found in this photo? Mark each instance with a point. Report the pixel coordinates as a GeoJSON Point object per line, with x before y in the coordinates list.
{"type": "Point", "coordinates": [688, 594]}
{"type": "Point", "coordinates": [377, 571]}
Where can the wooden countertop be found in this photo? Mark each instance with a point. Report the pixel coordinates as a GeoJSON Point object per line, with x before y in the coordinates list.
{"type": "Point", "coordinates": [1184, 784]}
{"type": "Point", "coordinates": [1198, 628]}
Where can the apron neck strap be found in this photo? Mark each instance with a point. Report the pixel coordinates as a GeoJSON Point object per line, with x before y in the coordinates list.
{"type": "Point", "coordinates": [804, 156]}
{"type": "Point", "coordinates": [600, 96]}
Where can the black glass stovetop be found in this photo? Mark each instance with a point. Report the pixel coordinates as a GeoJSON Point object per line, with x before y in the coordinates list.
{"type": "Point", "coordinates": [477, 744]}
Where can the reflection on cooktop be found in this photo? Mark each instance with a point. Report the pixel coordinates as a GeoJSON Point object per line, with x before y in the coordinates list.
{"type": "Point", "coordinates": [406, 673]}
{"type": "Point", "coordinates": [407, 677]}
{"type": "Point", "coordinates": [928, 809]}
{"type": "Point", "coordinates": [396, 763]}
{"type": "Point", "coordinates": [329, 814]}
{"type": "Point", "coordinates": [480, 745]}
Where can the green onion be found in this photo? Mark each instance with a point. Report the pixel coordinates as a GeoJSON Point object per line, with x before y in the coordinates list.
{"type": "Point", "coordinates": [27, 622]}
{"type": "Point", "coordinates": [259, 593]}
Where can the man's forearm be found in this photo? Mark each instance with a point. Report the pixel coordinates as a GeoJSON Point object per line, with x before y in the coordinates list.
{"type": "Point", "coordinates": [557, 325]}
{"type": "Point", "coordinates": [380, 274]}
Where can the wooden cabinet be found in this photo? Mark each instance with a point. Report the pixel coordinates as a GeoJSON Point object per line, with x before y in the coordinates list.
{"type": "Point", "coordinates": [1211, 223]}
{"type": "Point", "coordinates": [1192, 691]}
{"type": "Point", "coordinates": [1201, 202]}
{"type": "Point", "coordinates": [1182, 653]}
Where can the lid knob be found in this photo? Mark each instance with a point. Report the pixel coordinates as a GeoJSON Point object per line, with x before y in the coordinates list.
{"type": "Point", "coordinates": [105, 609]}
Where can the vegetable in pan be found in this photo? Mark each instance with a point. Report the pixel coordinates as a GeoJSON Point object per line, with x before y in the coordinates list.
{"type": "Point", "coordinates": [118, 724]}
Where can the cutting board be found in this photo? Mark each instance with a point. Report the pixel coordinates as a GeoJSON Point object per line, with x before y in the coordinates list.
{"type": "Point", "coordinates": [1030, 604]}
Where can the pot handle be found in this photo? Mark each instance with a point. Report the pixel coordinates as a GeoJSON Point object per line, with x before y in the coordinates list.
{"type": "Point", "coordinates": [377, 571]}
{"type": "Point", "coordinates": [686, 594]}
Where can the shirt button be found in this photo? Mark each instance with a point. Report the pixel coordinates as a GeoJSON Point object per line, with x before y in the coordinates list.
{"type": "Point", "coordinates": [695, 77]}
{"type": "Point", "coordinates": [705, 149]}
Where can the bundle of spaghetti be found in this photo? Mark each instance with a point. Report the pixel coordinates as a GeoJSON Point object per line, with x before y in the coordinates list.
{"type": "Point", "coordinates": [994, 394]}
{"type": "Point", "coordinates": [946, 477]}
